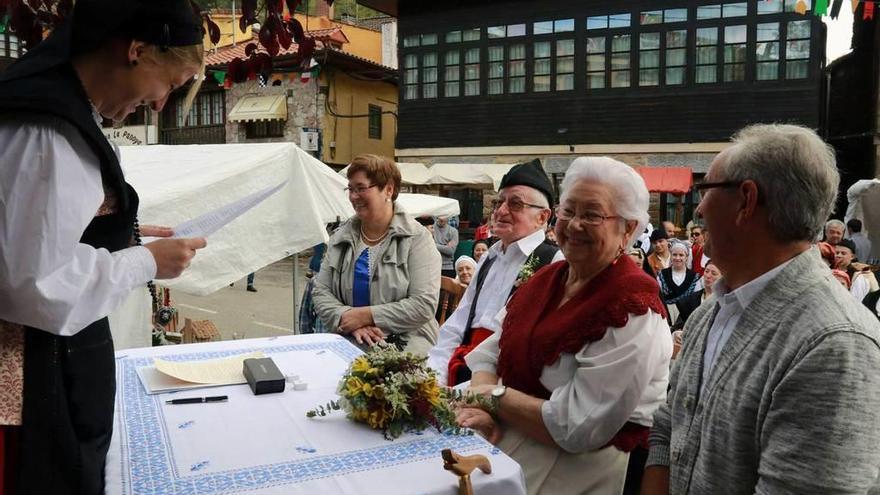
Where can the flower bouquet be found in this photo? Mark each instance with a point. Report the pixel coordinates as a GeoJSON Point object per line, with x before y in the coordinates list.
{"type": "Point", "coordinates": [394, 391]}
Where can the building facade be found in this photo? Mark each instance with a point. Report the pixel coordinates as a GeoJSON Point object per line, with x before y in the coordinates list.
{"type": "Point", "coordinates": [651, 83]}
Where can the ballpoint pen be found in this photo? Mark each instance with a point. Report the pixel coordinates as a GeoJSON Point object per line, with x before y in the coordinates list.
{"type": "Point", "coordinates": [198, 400]}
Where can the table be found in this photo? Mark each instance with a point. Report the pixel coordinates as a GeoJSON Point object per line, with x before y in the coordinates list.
{"type": "Point", "coordinates": [265, 444]}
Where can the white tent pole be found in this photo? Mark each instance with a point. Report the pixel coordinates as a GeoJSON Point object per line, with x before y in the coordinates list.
{"type": "Point", "coordinates": [295, 286]}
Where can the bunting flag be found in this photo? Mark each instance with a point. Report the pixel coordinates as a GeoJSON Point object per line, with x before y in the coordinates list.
{"type": "Point", "coordinates": [311, 72]}
{"type": "Point", "coordinates": [3, 22]}
{"type": "Point", "coordinates": [220, 76]}
{"type": "Point", "coordinates": [801, 7]}
{"type": "Point", "coordinates": [821, 8]}
{"type": "Point", "coordinates": [855, 5]}
{"type": "Point", "coordinates": [835, 8]}
{"type": "Point", "coordinates": [227, 83]}
{"type": "Point", "coordinates": [869, 11]}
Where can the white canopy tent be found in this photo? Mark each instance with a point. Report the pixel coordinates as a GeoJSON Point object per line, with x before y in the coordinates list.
{"type": "Point", "coordinates": [482, 174]}
{"type": "Point", "coordinates": [864, 204]}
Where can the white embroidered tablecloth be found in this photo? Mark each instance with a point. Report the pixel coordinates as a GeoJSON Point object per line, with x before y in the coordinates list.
{"type": "Point", "coordinates": [265, 444]}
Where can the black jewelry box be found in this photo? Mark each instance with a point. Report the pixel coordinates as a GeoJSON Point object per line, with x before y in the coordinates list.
{"type": "Point", "coordinates": [263, 376]}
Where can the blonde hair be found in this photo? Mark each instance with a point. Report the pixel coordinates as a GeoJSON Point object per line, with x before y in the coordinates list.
{"type": "Point", "coordinates": [182, 56]}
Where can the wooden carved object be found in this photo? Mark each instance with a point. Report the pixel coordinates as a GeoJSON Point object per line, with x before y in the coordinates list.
{"type": "Point", "coordinates": [463, 466]}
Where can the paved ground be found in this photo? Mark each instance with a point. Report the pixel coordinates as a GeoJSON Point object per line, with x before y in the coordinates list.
{"type": "Point", "coordinates": [265, 313]}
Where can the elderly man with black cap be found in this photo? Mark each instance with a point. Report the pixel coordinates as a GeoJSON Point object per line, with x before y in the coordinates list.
{"type": "Point", "coordinates": [68, 228]}
{"type": "Point", "coordinates": [520, 214]}
{"type": "Point", "coordinates": [660, 258]}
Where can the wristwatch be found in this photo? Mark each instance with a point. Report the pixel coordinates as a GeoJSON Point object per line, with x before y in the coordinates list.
{"type": "Point", "coordinates": [497, 393]}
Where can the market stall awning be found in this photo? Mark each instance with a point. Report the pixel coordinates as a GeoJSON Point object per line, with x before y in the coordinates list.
{"type": "Point", "coordinates": [251, 108]}
{"type": "Point", "coordinates": [411, 174]}
{"type": "Point", "coordinates": [675, 180]}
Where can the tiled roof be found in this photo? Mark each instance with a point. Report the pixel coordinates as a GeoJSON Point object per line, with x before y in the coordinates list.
{"type": "Point", "coordinates": [226, 54]}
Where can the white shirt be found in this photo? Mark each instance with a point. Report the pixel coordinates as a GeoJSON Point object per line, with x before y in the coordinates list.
{"type": "Point", "coordinates": [621, 377]}
{"type": "Point", "coordinates": [493, 297]}
{"type": "Point", "coordinates": [50, 190]}
{"type": "Point", "coordinates": [731, 306]}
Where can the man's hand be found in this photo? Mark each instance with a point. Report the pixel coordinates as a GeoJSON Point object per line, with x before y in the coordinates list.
{"type": "Point", "coordinates": [368, 335]}
{"type": "Point", "coordinates": [481, 421]}
{"type": "Point", "coordinates": [173, 256]}
{"type": "Point", "coordinates": [355, 318]}
{"type": "Point", "coordinates": [655, 481]}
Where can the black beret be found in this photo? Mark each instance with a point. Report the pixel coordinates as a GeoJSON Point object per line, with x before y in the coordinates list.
{"type": "Point", "coordinates": [848, 243]}
{"type": "Point", "coordinates": [658, 234]}
{"type": "Point", "coordinates": [529, 174]}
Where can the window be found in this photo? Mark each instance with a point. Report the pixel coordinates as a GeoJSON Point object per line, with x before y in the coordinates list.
{"type": "Point", "coordinates": [675, 15]}
{"type": "Point", "coordinates": [544, 27]}
{"type": "Point", "coordinates": [453, 37]}
{"type": "Point", "coordinates": [410, 77]}
{"type": "Point", "coordinates": [564, 65]}
{"type": "Point", "coordinates": [652, 17]}
{"type": "Point", "coordinates": [707, 55]}
{"type": "Point", "coordinates": [596, 62]}
{"type": "Point", "coordinates": [541, 65]}
{"type": "Point", "coordinates": [496, 70]}
{"type": "Point", "coordinates": [709, 12]}
{"type": "Point", "coordinates": [767, 52]}
{"type": "Point", "coordinates": [429, 75]}
{"type": "Point", "coordinates": [769, 6]}
{"type": "Point", "coordinates": [264, 129]}
{"type": "Point", "coordinates": [452, 74]}
{"type": "Point", "coordinates": [797, 50]}
{"type": "Point", "coordinates": [514, 30]}
{"type": "Point", "coordinates": [791, 5]}
{"type": "Point", "coordinates": [516, 65]}
{"type": "Point", "coordinates": [429, 39]}
{"type": "Point", "coordinates": [375, 122]}
{"type": "Point", "coordinates": [735, 9]}
{"type": "Point", "coordinates": [676, 57]}
{"type": "Point", "coordinates": [410, 41]}
{"type": "Point", "coordinates": [735, 53]}
{"type": "Point", "coordinates": [207, 109]}
{"type": "Point", "coordinates": [608, 21]}
{"type": "Point", "coordinates": [219, 107]}
{"type": "Point", "coordinates": [472, 72]}
{"type": "Point", "coordinates": [620, 70]}
{"type": "Point", "coordinates": [563, 26]}
{"type": "Point", "coordinates": [471, 34]}
{"type": "Point", "coordinates": [649, 59]}
{"type": "Point", "coordinates": [496, 31]}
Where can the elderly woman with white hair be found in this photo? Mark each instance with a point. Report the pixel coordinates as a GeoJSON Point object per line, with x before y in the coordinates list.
{"type": "Point", "coordinates": [584, 350]}
{"type": "Point", "coordinates": [465, 267]}
{"type": "Point", "coordinates": [678, 281]}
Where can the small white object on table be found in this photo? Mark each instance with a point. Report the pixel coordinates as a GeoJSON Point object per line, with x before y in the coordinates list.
{"type": "Point", "coordinates": [265, 444]}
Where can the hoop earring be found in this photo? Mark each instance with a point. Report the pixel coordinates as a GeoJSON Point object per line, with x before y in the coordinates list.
{"type": "Point", "coordinates": [620, 252]}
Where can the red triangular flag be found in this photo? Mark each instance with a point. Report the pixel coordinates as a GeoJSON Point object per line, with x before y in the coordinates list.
{"type": "Point", "coordinates": [869, 10]}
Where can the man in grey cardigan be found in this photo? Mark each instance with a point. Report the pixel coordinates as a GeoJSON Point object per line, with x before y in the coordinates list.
{"type": "Point", "coordinates": [446, 239]}
{"type": "Point", "coordinates": [777, 386]}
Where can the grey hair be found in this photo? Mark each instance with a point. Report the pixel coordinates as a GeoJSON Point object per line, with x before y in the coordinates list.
{"type": "Point", "coordinates": [537, 197]}
{"type": "Point", "coordinates": [626, 185]}
{"type": "Point", "coordinates": [678, 245]}
{"type": "Point", "coordinates": [796, 174]}
{"type": "Point", "coordinates": [835, 223]}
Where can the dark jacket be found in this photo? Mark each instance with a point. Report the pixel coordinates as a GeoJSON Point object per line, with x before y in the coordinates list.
{"type": "Point", "coordinates": [687, 306]}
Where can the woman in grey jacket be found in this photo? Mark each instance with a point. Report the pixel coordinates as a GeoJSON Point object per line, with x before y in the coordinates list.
{"type": "Point", "coordinates": [381, 273]}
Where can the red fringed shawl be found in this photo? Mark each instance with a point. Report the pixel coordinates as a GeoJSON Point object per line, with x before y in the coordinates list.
{"type": "Point", "coordinates": [536, 330]}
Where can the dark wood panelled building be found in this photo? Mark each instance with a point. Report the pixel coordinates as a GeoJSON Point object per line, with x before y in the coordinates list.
{"type": "Point", "coordinates": [653, 83]}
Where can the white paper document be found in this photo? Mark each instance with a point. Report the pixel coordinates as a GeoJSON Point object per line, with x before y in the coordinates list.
{"type": "Point", "coordinates": [165, 376]}
{"type": "Point", "coordinates": [211, 222]}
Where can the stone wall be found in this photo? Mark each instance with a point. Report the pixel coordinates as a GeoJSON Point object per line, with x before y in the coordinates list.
{"type": "Point", "coordinates": [305, 108]}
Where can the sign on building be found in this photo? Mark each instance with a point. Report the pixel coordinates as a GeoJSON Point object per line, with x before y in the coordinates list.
{"type": "Point", "coordinates": [310, 139]}
{"type": "Point", "coordinates": [133, 135]}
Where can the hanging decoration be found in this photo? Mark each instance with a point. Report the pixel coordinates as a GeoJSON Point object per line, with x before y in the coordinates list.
{"type": "Point", "coordinates": [855, 5]}
{"type": "Point", "coordinates": [800, 7]}
{"type": "Point", "coordinates": [821, 8]}
{"type": "Point", "coordinates": [869, 11]}
{"type": "Point", "coordinates": [220, 76]}
{"type": "Point", "coordinates": [835, 8]}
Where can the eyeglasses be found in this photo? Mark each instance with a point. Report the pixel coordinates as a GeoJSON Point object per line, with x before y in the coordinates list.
{"type": "Point", "coordinates": [712, 185]}
{"type": "Point", "coordinates": [514, 204]}
{"type": "Point", "coordinates": [696, 234]}
{"type": "Point", "coordinates": [590, 218]}
{"type": "Point", "coordinates": [358, 189]}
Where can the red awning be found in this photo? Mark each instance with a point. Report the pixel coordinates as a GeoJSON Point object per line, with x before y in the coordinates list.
{"type": "Point", "coordinates": [675, 180]}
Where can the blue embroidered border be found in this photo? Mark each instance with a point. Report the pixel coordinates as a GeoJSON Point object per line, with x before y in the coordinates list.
{"type": "Point", "coordinates": [150, 469]}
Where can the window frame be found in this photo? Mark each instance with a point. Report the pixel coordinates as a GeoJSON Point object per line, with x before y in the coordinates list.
{"type": "Point", "coordinates": [374, 121]}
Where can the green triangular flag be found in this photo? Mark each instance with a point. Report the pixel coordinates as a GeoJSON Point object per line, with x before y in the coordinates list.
{"type": "Point", "coordinates": [3, 21]}
{"type": "Point", "coordinates": [821, 7]}
{"type": "Point", "coordinates": [219, 76]}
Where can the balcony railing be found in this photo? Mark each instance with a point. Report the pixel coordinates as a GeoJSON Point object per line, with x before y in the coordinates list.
{"type": "Point", "coordinates": [209, 134]}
